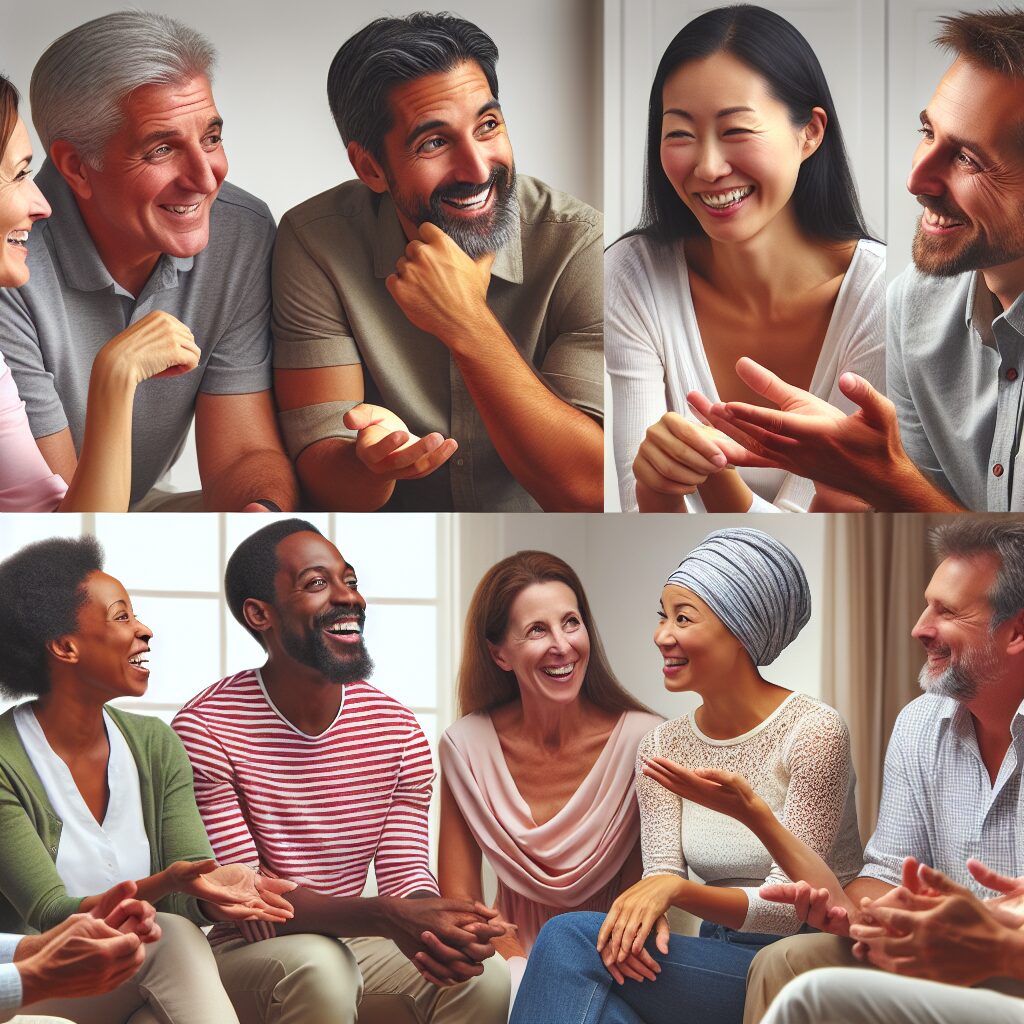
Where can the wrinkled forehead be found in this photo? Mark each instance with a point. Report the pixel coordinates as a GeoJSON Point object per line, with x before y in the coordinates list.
{"type": "Point", "coordinates": [974, 104]}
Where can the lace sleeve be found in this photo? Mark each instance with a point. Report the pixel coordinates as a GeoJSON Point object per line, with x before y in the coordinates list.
{"type": "Point", "coordinates": [817, 757]}
{"type": "Point", "coordinates": [661, 817]}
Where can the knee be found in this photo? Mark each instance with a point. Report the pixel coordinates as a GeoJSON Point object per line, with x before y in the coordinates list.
{"type": "Point", "coordinates": [181, 940]}
{"type": "Point", "coordinates": [576, 932]}
{"type": "Point", "coordinates": [487, 995]}
{"type": "Point", "coordinates": [323, 979]}
{"type": "Point", "coordinates": [813, 997]}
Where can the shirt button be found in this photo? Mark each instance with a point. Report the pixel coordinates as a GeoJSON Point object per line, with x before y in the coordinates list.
{"type": "Point", "coordinates": [997, 469]}
{"type": "Point", "coordinates": [460, 462]}
{"type": "Point", "coordinates": [1011, 374]}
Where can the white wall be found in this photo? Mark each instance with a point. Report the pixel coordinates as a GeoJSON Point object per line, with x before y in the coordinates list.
{"type": "Point", "coordinates": [624, 561]}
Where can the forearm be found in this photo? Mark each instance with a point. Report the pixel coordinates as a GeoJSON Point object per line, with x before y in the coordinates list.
{"type": "Point", "coordinates": [648, 500]}
{"type": "Point", "coordinates": [1012, 954]}
{"type": "Point", "coordinates": [721, 904]}
{"type": "Point", "coordinates": [259, 473]}
{"type": "Point", "coordinates": [902, 487]}
{"type": "Point", "coordinates": [152, 889]}
{"type": "Point", "coordinates": [725, 492]}
{"type": "Point", "coordinates": [555, 451]}
{"type": "Point", "coordinates": [103, 478]}
{"type": "Point", "coordinates": [338, 916]}
{"type": "Point", "coordinates": [334, 478]}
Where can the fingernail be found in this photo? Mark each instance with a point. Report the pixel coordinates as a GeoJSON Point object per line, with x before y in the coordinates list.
{"type": "Point", "coordinates": [719, 460]}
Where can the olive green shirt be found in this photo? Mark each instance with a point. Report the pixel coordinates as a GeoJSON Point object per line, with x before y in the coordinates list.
{"type": "Point", "coordinates": [33, 896]}
{"type": "Point", "coordinates": [332, 308]}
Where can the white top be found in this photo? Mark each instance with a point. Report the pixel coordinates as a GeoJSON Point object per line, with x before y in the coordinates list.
{"type": "Point", "coordinates": [91, 857]}
{"type": "Point", "coordinates": [798, 761]}
{"type": "Point", "coordinates": [655, 354]}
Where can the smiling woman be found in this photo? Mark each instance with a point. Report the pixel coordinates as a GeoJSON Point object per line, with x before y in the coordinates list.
{"type": "Point", "coordinates": [93, 796]}
{"type": "Point", "coordinates": [752, 243]}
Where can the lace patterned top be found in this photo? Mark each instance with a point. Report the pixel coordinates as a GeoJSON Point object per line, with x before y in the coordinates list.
{"type": "Point", "coordinates": [798, 761]}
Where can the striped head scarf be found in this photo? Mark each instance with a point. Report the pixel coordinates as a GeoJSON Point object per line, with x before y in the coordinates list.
{"type": "Point", "coordinates": [754, 584]}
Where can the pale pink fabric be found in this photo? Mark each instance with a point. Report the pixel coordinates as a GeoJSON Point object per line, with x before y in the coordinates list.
{"type": "Point", "coordinates": [26, 483]}
{"type": "Point", "coordinates": [572, 862]}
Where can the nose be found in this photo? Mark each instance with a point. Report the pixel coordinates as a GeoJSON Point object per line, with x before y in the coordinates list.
{"type": "Point", "coordinates": [662, 636]}
{"type": "Point", "coordinates": [142, 631]}
{"type": "Point", "coordinates": [197, 174]}
{"type": "Point", "coordinates": [342, 593]}
{"type": "Point", "coordinates": [711, 162]}
{"type": "Point", "coordinates": [472, 163]}
{"type": "Point", "coordinates": [560, 642]}
{"type": "Point", "coordinates": [38, 207]}
{"type": "Point", "coordinates": [924, 626]}
{"type": "Point", "coordinates": [926, 173]}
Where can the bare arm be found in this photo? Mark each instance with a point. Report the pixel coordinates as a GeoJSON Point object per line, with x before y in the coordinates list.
{"type": "Point", "coordinates": [241, 456]}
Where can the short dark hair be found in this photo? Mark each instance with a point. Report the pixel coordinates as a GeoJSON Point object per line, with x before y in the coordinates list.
{"type": "Point", "coordinates": [994, 39]}
{"type": "Point", "coordinates": [42, 589]}
{"type": "Point", "coordinates": [825, 197]}
{"type": "Point", "coordinates": [390, 51]}
{"type": "Point", "coordinates": [253, 565]}
{"type": "Point", "coordinates": [970, 536]}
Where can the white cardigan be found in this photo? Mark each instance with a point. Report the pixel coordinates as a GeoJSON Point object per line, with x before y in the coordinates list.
{"type": "Point", "coordinates": [655, 355]}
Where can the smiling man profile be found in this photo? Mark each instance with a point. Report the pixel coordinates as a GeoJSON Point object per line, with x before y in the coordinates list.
{"type": "Point", "coordinates": [145, 226]}
{"type": "Point", "coordinates": [464, 301]}
{"type": "Point", "coordinates": [306, 771]}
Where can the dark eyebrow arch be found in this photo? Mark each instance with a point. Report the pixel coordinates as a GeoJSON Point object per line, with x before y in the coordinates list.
{"type": "Point", "coordinates": [114, 604]}
{"type": "Point", "coordinates": [174, 133]}
{"type": "Point", "coordinates": [428, 126]}
{"type": "Point", "coordinates": [724, 112]}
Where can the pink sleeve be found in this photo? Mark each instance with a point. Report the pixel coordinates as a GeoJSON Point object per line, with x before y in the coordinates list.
{"type": "Point", "coordinates": [26, 483]}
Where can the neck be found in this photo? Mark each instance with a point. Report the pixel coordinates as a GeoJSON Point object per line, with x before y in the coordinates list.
{"type": "Point", "coordinates": [70, 720]}
{"type": "Point", "coordinates": [308, 700]}
{"type": "Point", "coordinates": [130, 274]}
{"type": "Point", "coordinates": [1005, 282]}
{"type": "Point", "coordinates": [993, 711]}
{"type": "Point", "coordinates": [738, 703]}
{"type": "Point", "coordinates": [553, 726]}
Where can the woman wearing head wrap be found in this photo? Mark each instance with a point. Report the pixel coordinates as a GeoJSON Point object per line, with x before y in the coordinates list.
{"type": "Point", "coordinates": [732, 605]}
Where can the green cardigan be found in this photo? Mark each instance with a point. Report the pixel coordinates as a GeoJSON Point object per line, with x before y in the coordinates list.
{"type": "Point", "coordinates": [33, 896]}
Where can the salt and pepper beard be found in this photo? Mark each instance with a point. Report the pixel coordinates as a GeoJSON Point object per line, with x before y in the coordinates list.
{"type": "Point", "coordinates": [475, 236]}
{"type": "Point", "coordinates": [963, 678]}
{"type": "Point", "coordinates": [312, 650]}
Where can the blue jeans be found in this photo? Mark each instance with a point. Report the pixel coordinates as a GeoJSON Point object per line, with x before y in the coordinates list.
{"type": "Point", "coordinates": [703, 980]}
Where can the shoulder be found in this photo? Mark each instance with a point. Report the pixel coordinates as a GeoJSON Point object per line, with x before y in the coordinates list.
{"type": "Point", "coordinates": [223, 698]}
{"type": "Point", "coordinates": [636, 725]}
{"type": "Point", "coordinates": [468, 731]}
{"type": "Point", "coordinates": [913, 294]}
{"type": "Point", "coordinates": [350, 202]}
{"type": "Point", "coordinates": [921, 718]}
{"type": "Point", "coordinates": [811, 715]}
{"type": "Point", "coordinates": [364, 701]}
{"type": "Point", "coordinates": [541, 204]}
{"type": "Point", "coordinates": [145, 731]}
{"type": "Point", "coordinates": [240, 213]}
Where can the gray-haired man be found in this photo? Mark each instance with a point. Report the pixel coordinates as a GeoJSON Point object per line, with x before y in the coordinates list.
{"type": "Point", "coordinates": [143, 221]}
{"type": "Point", "coordinates": [465, 301]}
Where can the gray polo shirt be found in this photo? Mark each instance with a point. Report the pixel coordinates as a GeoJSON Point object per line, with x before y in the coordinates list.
{"type": "Point", "coordinates": [331, 308]}
{"type": "Point", "coordinates": [52, 328]}
{"type": "Point", "coordinates": [955, 371]}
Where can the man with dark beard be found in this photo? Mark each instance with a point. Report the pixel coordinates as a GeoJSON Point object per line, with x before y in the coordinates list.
{"type": "Point", "coordinates": [948, 436]}
{"type": "Point", "coordinates": [950, 819]}
{"type": "Point", "coordinates": [463, 300]}
{"type": "Point", "coordinates": [307, 772]}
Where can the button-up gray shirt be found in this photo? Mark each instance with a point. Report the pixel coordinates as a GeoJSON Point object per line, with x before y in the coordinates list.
{"type": "Point", "coordinates": [52, 328]}
{"type": "Point", "coordinates": [332, 308]}
{"type": "Point", "coordinates": [939, 804]}
{"type": "Point", "coordinates": [955, 371]}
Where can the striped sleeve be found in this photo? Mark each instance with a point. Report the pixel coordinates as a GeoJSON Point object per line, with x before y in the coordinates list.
{"type": "Point", "coordinates": [402, 861]}
{"type": "Point", "coordinates": [216, 792]}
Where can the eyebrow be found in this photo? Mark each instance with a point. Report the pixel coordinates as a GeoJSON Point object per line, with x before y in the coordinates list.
{"type": "Point", "coordinates": [176, 133]}
{"type": "Point", "coordinates": [429, 126]}
{"type": "Point", "coordinates": [114, 604]}
{"type": "Point", "coordinates": [724, 112]}
{"type": "Point", "coordinates": [325, 571]}
{"type": "Point", "coordinates": [676, 605]}
{"type": "Point", "coordinates": [958, 141]}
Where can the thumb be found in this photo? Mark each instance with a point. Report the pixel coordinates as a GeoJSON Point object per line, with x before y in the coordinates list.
{"type": "Point", "coordinates": [765, 383]}
{"type": "Point", "coordinates": [200, 867]}
{"type": "Point", "coordinates": [661, 934]}
{"type": "Point", "coordinates": [278, 885]}
{"type": "Point", "coordinates": [361, 416]}
{"type": "Point", "coordinates": [112, 897]}
{"type": "Point", "coordinates": [861, 393]}
{"type": "Point", "coordinates": [485, 262]}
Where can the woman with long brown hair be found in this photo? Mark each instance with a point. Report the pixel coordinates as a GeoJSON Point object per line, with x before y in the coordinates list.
{"type": "Point", "coordinates": [102, 481]}
{"type": "Point", "coordinates": [537, 774]}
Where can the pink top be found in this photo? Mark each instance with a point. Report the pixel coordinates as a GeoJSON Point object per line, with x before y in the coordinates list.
{"type": "Point", "coordinates": [26, 483]}
{"type": "Point", "coordinates": [572, 862]}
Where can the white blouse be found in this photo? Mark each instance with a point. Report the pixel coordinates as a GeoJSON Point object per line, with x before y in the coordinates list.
{"type": "Point", "coordinates": [655, 354]}
{"type": "Point", "coordinates": [91, 856]}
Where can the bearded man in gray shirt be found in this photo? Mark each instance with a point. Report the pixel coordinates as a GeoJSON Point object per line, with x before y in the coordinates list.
{"type": "Point", "coordinates": [947, 438]}
{"type": "Point", "coordinates": [143, 226]}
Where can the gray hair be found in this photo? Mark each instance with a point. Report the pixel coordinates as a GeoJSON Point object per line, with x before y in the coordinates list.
{"type": "Point", "coordinates": [971, 536]}
{"type": "Point", "coordinates": [80, 83]}
{"type": "Point", "coordinates": [390, 51]}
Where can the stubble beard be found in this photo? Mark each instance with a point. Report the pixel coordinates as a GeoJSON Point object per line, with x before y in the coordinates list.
{"type": "Point", "coordinates": [938, 258]}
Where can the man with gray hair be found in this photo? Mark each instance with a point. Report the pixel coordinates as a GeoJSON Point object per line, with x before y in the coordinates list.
{"type": "Point", "coordinates": [463, 300]}
{"type": "Point", "coordinates": [949, 823]}
{"type": "Point", "coordinates": [145, 230]}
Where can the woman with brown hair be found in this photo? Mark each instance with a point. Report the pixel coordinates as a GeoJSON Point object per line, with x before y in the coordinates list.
{"type": "Point", "coordinates": [102, 481]}
{"type": "Point", "coordinates": [537, 776]}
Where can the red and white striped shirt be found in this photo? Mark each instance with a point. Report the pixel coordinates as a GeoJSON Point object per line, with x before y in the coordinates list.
{"type": "Point", "coordinates": [314, 809]}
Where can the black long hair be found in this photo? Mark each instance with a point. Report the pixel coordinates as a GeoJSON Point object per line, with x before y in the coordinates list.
{"type": "Point", "coordinates": [825, 197]}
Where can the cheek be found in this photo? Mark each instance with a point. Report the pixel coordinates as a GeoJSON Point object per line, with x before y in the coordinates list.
{"type": "Point", "coordinates": [219, 165]}
{"type": "Point", "coordinates": [677, 163]}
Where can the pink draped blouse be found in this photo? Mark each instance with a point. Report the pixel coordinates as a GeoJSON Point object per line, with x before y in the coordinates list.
{"type": "Point", "coordinates": [572, 862]}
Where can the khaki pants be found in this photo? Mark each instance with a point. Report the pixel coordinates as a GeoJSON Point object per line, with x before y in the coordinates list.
{"type": "Point", "coordinates": [176, 984]}
{"type": "Point", "coordinates": [778, 964]}
{"type": "Point", "coordinates": [313, 979]}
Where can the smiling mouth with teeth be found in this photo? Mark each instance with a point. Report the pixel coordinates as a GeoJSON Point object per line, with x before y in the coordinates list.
{"type": "Point", "coordinates": [937, 220]}
{"type": "Point", "coordinates": [18, 238]}
{"type": "Point", "coordinates": [138, 660]}
{"type": "Point", "coordinates": [723, 200]}
{"type": "Point", "coordinates": [473, 202]}
{"type": "Point", "coordinates": [676, 662]}
{"type": "Point", "coordinates": [560, 672]}
{"type": "Point", "coordinates": [183, 210]}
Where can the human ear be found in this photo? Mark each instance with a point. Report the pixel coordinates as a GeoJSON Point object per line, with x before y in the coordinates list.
{"type": "Point", "coordinates": [498, 654]}
{"type": "Point", "coordinates": [256, 614]}
{"type": "Point", "coordinates": [813, 132]}
{"type": "Point", "coordinates": [367, 167]}
{"type": "Point", "coordinates": [1015, 641]}
{"type": "Point", "coordinates": [73, 168]}
{"type": "Point", "coordinates": [64, 649]}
